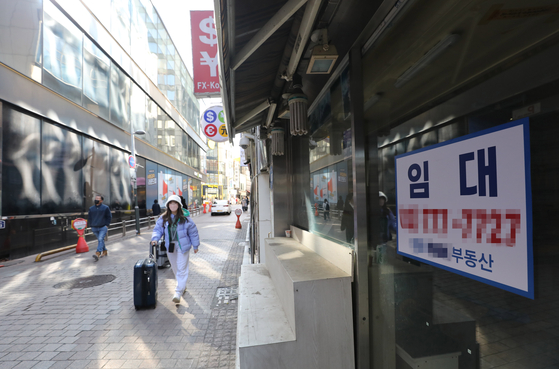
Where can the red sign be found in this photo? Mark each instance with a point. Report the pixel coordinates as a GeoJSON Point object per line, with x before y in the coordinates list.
{"type": "Point", "coordinates": [210, 130]}
{"type": "Point", "coordinates": [204, 53]}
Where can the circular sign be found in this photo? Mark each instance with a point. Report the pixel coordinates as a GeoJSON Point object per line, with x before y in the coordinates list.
{"type": "Point", "coordinates": [213, 124]}
{"type": "Point", "coordinates": [78, 224]}
{"type": "Point", "coordinates": [210, 130]}
{"type": "Point", "coordinates": [238, 212]}
{"type": "Point", "coordinates": [132, 161]}
{"type": "Point", "coordinates": [210, 116]}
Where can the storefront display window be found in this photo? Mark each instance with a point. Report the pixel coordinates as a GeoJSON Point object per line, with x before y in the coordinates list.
{"type": "Point", "coordinates": [330, 165]}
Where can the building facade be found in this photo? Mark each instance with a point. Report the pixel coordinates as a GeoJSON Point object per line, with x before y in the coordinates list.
{"type": "Point", "coordinates": [78, 78]}
{"type": "Point", "coordinates": [410, 77]}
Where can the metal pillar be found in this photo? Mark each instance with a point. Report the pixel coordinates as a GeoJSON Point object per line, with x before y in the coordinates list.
{"type": "Point", "coordinates": [359, 147]}
{"type": "Point", "coordinates": [135, 184]}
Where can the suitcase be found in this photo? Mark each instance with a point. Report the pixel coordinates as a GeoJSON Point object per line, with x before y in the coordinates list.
{"type": "Point", "coordinates": [162, 259]}
{"type": "Point", "coordinates": [145, 281]}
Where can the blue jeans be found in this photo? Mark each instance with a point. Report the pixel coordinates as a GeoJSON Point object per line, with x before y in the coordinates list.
{"type": "Point", "coordinates": [100, 233]}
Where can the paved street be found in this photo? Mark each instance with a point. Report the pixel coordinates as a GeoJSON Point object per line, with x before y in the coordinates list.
{"type": "Point", "coordinates": [97, 327]}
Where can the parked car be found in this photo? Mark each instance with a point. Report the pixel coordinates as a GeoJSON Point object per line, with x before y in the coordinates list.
{"type": "Point", "coordinates": [221, 207]}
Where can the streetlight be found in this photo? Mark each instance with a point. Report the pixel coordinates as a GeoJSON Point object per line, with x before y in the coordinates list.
{"type": "Point", "coordinates": [135, 191]}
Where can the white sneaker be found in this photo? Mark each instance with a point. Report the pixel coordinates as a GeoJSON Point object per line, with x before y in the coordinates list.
{"type": "Point", "coordinates": [177, 298]}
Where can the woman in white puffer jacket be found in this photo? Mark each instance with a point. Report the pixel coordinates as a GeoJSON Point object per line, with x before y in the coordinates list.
{"type": "Point", "coordinates": [181, 235]}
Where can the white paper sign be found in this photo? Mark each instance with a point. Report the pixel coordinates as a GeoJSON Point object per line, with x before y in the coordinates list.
{"type": "Point", "coordinates": [465, 206]}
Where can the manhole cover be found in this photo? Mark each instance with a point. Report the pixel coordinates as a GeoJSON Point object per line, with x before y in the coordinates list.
{"type": "Point", "coordinates": [225, 297]}
{"type": "Point", "coordinates": [86, 282]}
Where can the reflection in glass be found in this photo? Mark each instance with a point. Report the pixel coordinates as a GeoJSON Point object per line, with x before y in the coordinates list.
{"type": "Point", "coordinates": [138, 108]}
{"type": "Point", "coordinates": [120, 23]}
{"type": "Point", "coordinates": [151, 122]}
{"type": "Point", "coordinates": [139, 34]}
{"type": "Point", "coordinates": [62, 43]}
{"type": "Point", "coordinates": [21, 143]}
{"type": "Point", "coordinates": [120, 98]}
{"type": "Point", "coordinates": [95, 169]}
{"type": "Point", "coordinates": [21, 49]}
{"type": "Point", "coordinates": [97, 67]}
{"type": "Point", "coordinates": [121, 189]}
{"type": "Point", "coordinates": [101, 9]}
{"type": "Point", "coordinates": [152, 21]}
{"type": "Point", "coordinates": [330, 167]}
{"type": "Point", "coordinates": [61, 171]}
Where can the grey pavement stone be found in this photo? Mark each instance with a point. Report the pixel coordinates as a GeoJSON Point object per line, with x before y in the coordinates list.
{"type": "Point", "coordinates": [98, 327]}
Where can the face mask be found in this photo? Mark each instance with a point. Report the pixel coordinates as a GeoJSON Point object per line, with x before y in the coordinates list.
{"type": "Point", "coordinates": [173, 207]}
{"type": "Point", "coordinates": [97, 202]}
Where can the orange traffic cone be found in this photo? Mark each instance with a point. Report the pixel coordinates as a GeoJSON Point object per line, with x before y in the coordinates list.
{"type": "Point", "coordinates": [82, 245]}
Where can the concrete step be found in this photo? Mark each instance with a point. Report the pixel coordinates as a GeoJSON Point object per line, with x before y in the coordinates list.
{"type": "Point", "coordinates": [261, 319]}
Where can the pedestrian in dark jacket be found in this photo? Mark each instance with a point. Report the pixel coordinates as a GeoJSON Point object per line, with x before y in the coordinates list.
{"type": "Point", "coordinates": [156, 208]}
{"type": "Point", "coordinates": [99, 218]}
{"type": "Point", "coordinates": [388, 221]}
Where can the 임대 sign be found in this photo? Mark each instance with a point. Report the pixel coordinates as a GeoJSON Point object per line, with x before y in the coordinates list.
{"type": "Point", "coordinates": [213, 124]}
{"type": "Point", "coordinates": [465, 206]}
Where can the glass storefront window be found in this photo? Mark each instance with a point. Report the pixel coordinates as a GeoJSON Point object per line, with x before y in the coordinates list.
{"type": "Point", "coordinates": [97, 68]}
{"type": "Point", "coordinates": [61, 171]}
{"type": "Point", "coordinates": [121, 189]}
{"type": "Point", "coordinates": [95, 169]}
{"type": "Point", "coordinates": [22, 50]}
{"type": "Point", "coordinates": [330, 165]}
{"type": "Point", "coordinates": [21, 163]}
{"type": "Point", "coordinates": [62, 54]}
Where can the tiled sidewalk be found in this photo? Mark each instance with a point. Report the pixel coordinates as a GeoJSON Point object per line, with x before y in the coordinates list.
{"type": "Point", "coordinates": [98, 327]}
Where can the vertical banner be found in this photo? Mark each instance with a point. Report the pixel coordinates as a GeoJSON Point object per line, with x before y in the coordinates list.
{"type": "Point", "coordinates": [324, 177]}
{"type": "Point", "coordinates": [465, 206]}
{"type": "Point", "coordinates": [316, 188]}
{"type": "Point", "coordinates": [204, 53]}
{"type": "Point", "coordinates": [333, 188]}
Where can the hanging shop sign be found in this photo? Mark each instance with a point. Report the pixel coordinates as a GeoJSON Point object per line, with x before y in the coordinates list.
{"type": "Point", "coordinates": [204, 53]}
{"type": "Point", "coordinates": [213, 124]}
{"type": "Point", "coordinates": [465, 206]}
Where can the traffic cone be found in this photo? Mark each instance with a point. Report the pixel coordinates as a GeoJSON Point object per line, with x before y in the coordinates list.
{"type": "Point", "coordinates": [82, 245]}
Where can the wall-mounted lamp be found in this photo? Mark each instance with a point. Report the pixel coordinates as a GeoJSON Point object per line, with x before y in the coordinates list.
{"type": "Point", "coordinates": [429, 56]}
{"type": "Point", "coordinates": [323, 56]}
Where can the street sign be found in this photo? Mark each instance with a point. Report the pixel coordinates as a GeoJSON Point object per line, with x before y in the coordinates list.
{"type": "Point", "coordinates": [132, 161]}
{"type": "Point", "coordinates": [238, 212]}
{"type": "Point", "coordinates": [79, 224]}
{"type": "Point", "coordinates": [2, 224]}
{"type": "Point", "coordinates": [213, 124]}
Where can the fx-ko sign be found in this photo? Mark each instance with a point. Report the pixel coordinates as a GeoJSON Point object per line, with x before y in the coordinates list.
{"type": "Point", "coordinates": [465, 206]}
{"type": "Point", "coordinates": [213, 124]}
{"type": "Point", "coordinates": [204, 53]}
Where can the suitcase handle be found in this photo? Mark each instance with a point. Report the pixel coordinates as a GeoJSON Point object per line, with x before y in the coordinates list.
{"type": "Point", "coordinates": [152, 250]}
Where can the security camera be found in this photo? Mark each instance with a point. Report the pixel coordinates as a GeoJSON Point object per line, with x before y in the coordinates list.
{"type": "Point", "coordinates": [244, 142]}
